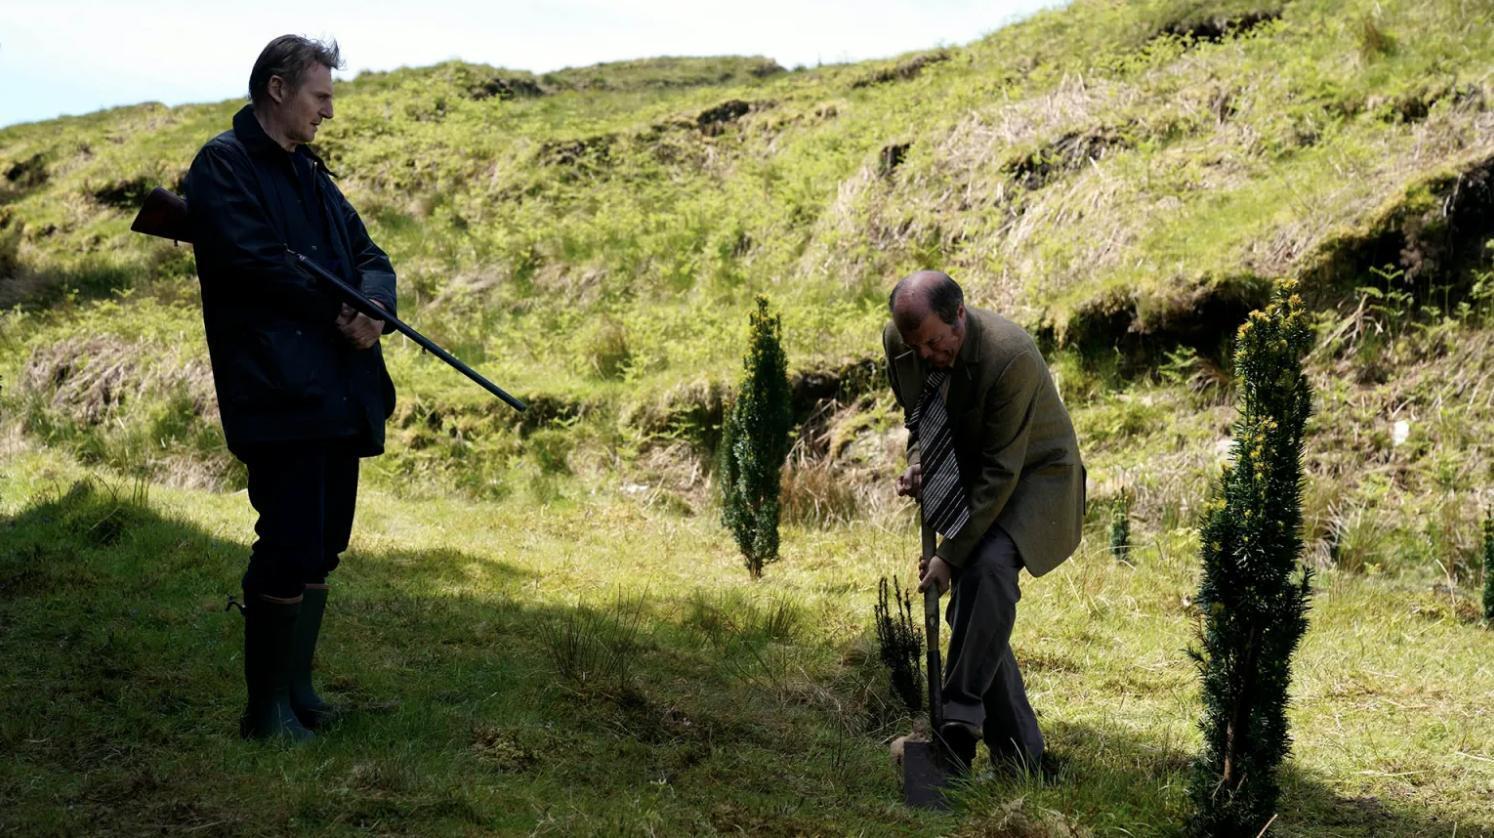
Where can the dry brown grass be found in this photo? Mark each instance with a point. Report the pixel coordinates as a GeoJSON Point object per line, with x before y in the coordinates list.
{"type": "Point", "coordinates": [89, 380]}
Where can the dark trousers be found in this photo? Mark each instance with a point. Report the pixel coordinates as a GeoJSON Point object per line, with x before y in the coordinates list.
{"type": "Point", "coordinates": [982, 686]}
{"type": "Point", "coordinates": [305, 494]}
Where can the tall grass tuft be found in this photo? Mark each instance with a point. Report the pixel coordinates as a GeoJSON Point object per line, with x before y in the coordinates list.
{"type": "Point", "coordinates": [1253, 598]}
{"type": "Point", "coordinates": [757, 443]}
{"type": "Point", "coordinates": [595, 649]}
{"type": "Point", "coordinates": [817, 493]}
{"type": "Point", "coordinates": [900, 644]}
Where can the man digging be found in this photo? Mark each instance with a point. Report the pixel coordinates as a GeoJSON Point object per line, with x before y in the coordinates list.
{"type": "Point", "coordinates": [301, 383]}
{"type": "Point", "coordinates": [995, 463]}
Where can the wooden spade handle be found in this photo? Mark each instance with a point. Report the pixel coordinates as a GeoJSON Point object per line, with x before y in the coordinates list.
{"type": "Point", "coordinates": [931, 636]}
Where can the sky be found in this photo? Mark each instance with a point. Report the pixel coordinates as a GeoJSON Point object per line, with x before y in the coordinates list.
{"type": "Point", "coordinates": [77, 56]}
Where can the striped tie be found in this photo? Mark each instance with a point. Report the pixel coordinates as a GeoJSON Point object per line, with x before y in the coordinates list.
{"type": "Point", "coordinates": [944, 505]}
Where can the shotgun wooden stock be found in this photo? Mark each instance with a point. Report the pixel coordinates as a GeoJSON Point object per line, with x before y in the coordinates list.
{"type": "Point", "coordinates": [164, 214]}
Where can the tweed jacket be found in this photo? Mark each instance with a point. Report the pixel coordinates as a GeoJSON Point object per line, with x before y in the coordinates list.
{"type": "Point", "coordinates": [1018, 455]}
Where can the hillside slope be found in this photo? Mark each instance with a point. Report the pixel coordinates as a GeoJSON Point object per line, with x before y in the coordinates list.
{"type": "Point", "coordinates": [1084, 164]}
{"type": "Point", "coordinates": [1123, 178]}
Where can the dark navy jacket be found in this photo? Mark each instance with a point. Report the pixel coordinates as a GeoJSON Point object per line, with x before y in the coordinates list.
{"type": "Point", "coordinates": [283, 371]}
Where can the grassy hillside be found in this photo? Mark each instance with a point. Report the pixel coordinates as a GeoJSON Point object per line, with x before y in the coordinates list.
{"type": "Point", "coordinates": [1123, 178]}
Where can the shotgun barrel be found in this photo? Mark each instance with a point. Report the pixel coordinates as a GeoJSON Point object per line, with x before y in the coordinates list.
{"type": "Point", "coordinates": [362, 303]}
{"type": "Point", "coordinates": [165, 214]}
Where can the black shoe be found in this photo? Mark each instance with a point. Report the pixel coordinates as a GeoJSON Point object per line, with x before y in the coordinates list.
{"type": "Point", "coordinates": [1051, 768]}
{"type": "Point", "coordinates": [310, 709]}
{"type": "Point", "coordinates": [959, 741]}
{"type": "Point", "coordinates": [269, 630]}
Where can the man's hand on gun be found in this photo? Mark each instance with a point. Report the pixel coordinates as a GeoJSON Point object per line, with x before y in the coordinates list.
{"type": "Point", "coordinates": [361, 330]}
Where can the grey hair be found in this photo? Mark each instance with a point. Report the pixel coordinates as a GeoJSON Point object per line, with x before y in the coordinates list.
{"type": "Point", "coordinates": [289, 56]}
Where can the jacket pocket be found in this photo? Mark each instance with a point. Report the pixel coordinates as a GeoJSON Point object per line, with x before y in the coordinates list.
{"type": "Point", "coordinates": [278, 367]}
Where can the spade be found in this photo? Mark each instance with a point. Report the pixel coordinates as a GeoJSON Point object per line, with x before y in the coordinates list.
{"type": "Point", "coordinates": [926, 764]}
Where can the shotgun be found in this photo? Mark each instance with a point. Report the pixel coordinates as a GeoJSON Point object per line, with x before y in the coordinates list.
{"type": "Point", "coordinates": [165, 215]}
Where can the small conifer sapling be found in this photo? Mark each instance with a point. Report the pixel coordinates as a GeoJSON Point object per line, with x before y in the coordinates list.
{"type": "Point", "coordinates": [1120, 527]}
{"type": "Point", "coordinates": [1489, 566]}
{"type": "Point", "coordinates": [1254, 591]}
{"type": "Point", "coordinates": [756, 443]}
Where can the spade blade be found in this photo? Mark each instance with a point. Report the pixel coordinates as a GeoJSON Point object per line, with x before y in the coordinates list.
{"type": "Point", "coordinates": [924, 775]}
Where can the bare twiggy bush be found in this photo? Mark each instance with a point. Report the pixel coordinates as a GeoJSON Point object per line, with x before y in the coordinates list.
{"type": "Point", "coordinates": [899, 643]}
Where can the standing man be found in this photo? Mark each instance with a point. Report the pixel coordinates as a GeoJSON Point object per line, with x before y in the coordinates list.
{"type": "Point", "coordinates": [994, 461]}
{"type": "Point", "coordinates": [301, 383]}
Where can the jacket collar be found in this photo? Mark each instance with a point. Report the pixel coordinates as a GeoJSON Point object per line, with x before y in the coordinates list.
{"type": "Point", "coordinates": [962, 375]}
{"type": "Point", "coordinates": [970, 349]}
{"type": "Point", "coordinates": [249, 132]}
{"type": "Point", "coordinates": [247, 129]}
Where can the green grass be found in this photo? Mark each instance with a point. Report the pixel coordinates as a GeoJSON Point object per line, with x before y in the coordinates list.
{"type": "Point", "coordinates": [606, 667]}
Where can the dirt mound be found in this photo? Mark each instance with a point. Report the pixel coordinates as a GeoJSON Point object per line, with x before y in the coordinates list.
{"type": "Point", "coordinates": [504, 88]}
{"type": "Point", "coordinates": [1430, 241]}
{"type": "Point", "coordinates": [27, 174]}
{"type": "Point", "coordinates": [1065, 154]}
{"type": "Point", "coordinates": [580, 153]}
{"type": "Point", "coordinates": [126, 195]}
{"type": "Point", "coordinates": [1416, 105]}
{"type": "Point", "coordinates": [1217, 28]}
{"type": "Point", "coordinates": [1428, 244]}
{"type": "Point", "coordinates": [713, 120]}
{"type": "Point", "coordinates": [902, 71]}
{"type": "Point", "coordinates": [23, 177]}
{"type": "Point", "coordinates": [1203, 319]}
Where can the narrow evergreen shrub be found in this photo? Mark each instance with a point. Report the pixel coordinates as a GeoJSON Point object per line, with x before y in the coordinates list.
{"type": "Point", "coordinates": [1489, 565]}
{"type": "Point", "coordinates": [756, 443]}
{"type": "Point", "coordinates": [900, 644]}
{"type": "Point", "coordinates": [1120, 527]}
{"type": "Point", "coordinates": [1253, 598]}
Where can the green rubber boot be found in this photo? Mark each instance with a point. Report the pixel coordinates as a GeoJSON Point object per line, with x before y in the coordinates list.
{"type": "Point", "coordinates": [310, 709]}
{"type": "Point", "coordinates": [269, 632]}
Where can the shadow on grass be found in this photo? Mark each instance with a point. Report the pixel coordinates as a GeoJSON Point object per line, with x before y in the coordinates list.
{"type": "Point", "coordinates": [474, 707]}
{"type": "Point", "coordinates": [1113, 781]}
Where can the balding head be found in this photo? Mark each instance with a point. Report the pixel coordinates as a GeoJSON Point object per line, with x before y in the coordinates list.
{"type": "Point", "coordinates": [922, 292]}
{"type": "Point", "coordinates": [928, 309]}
